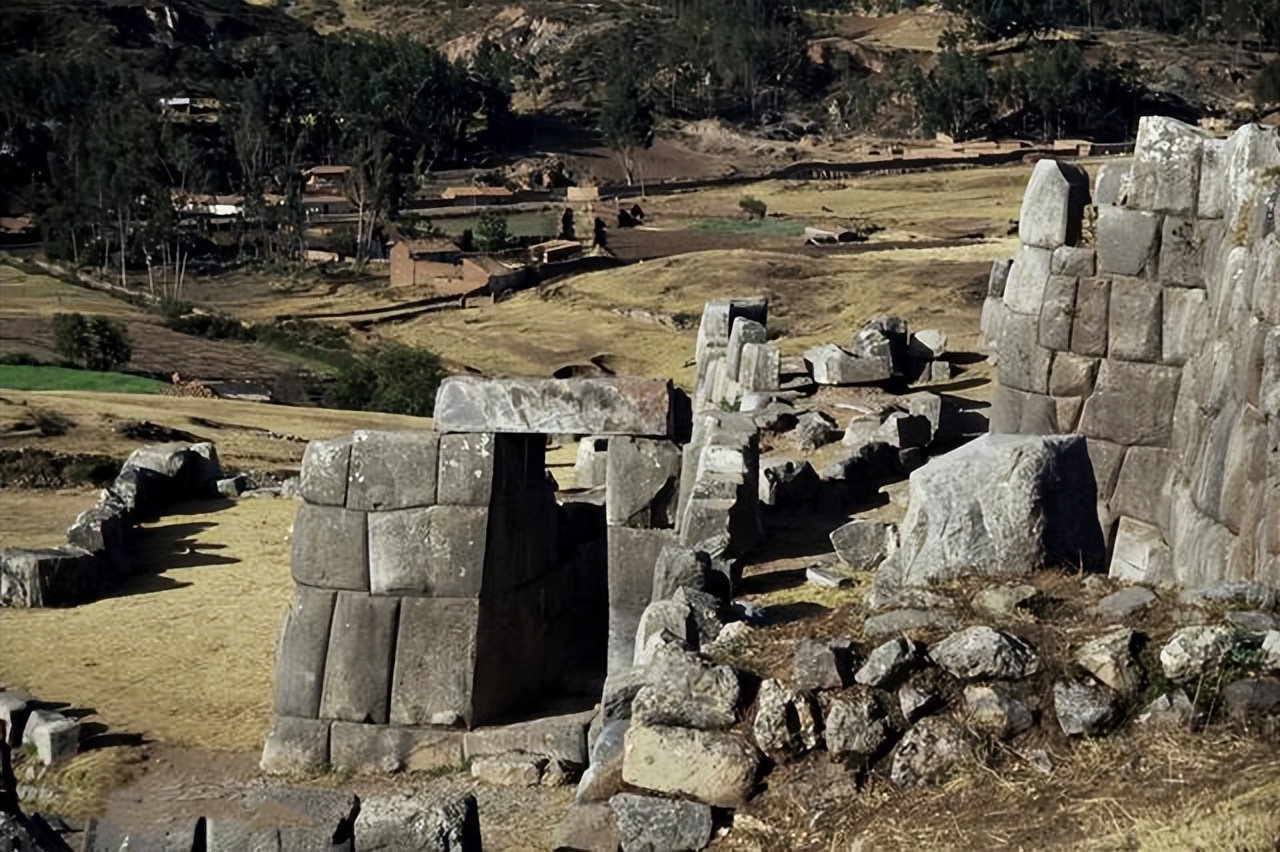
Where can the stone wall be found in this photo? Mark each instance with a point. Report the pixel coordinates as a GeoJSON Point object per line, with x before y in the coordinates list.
{"type": "Point", "coordinates": [1148, 323]}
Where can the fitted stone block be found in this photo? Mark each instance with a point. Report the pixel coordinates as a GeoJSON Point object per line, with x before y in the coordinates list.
{"type": "Point", "coordinates": [466, 469]}
{"type": "Point", "coordinates": [594, 406]}
{"type": "Point", "coordinates": [718, 317]}
{"type": "Point", "coordinates": [744, 331]}
{"type": "Point", "coordinates": [1182, 249]}
{"type": "Point", "coordinates": [562, 738]}
{"type": "Point", "coordinates": [1142, 487]}
{"type": "Point", "coordinates": [1091, 323]}
{"type": "Point", "coordinates": [1005, 416]}
{"type": "Point", "coordinates": [643, 483]}
{"type": "Point", "coordinates": [357, 672]}
{"type": "Point", "coordinates": [392, 470]}
{"type": "Point", "coordinates": [1053, 204]}
{"type": "Point", "coordinates": [1185, 324]}
{"type": "Point", "coordinates": [1024, 288]}
{"type": "Point", "coordinates": [438, 551]}
{"type": "Point", "coordinates": [1072, 375]}
{"type": "Point", "coordinates": [295, 746]}
{"type": "Point", "coordinates": [1073, 261]}
{"type": "Point", "coordinates": [998, 277]}
{"type": "Point", "coordinates": [1245, 471]}
{"type": "Point", "coordinates": [1067, 412]}
{"type": "Point", "coordinates": [1113, 183]}
{"type": "Point", "coordinates": [1128, 241]}
{"type": "Point", "coordinates": [329, 548]}
{"type": "Point", "coordinates": [1024, 363]}
{"type": "Point", "coordinates": [304, 643]}
{"type": "Point", "coordinates": [435, 661]}
{"type": "Point", "coordinates": [633, 553]}
{"type": "Point", "coordinates": [760, 368]}
{"type": "Point", "coordinates": [1134, 320]}
{"type": "Point", "coordinates": [1106, 458]}
{"type": "Point", "coordinates": [325, 466]}
{"type": "Point", "coordinates": [358, 748]}
{"type": "Point", "coordinates": [1057, 311]}
{"type": "Point", "coordinates": [1132, 404]}
{"type": "Point", "coordinates": [1166, 166]}
{"type": "Point", "coordinates": [1140, 554]}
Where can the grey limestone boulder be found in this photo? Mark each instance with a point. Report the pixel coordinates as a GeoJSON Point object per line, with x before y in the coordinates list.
{"type": "Point", "coordinates": [821, 665]}
{"type": "Point", "coordinates": [1113, 183]}
{"type": "Point", "coordinates": [513, 769]}
{"type": "Point", "coordinates": [786, 721]}
{"type": "Point", "coordinates": [933, 751]}
{"type": "Point", "coordinates": [856, 727]}
{"type": "Point", "coordinates": [51, 577]}
{"type": "Point", "coordinates": [392, 470]}
{"type": "Point", "coordinates": [687, 691]}
{"type": "Point", "coordinates": [1194, 651]}
{"type": "Point", "coordinates": [786, 482]}
{"type": "Point", "coordinates": [980, 652]}
{"type": "Point", "coordinates": [864, 543]}
{"type": "Point", "coordinates": [1247, 699]}
{"type": "Point", "coordinates": [1000, 505]}
{"type": "Point", "coordinates": [325, 470]}
{"type": "Point", "coordinates": [1124, 603]}
{"type": "Point", "coordinates": [1004, 601]}
{"type": "Point", "coordinates": [998, 276]}
{"type": "Point", "coordinates": [1110, 658]}
{"type": "Point", "coordinates": [1172, 708]}
{"type": "Point", "coordinates": [1084, 708]}
{"type": "Point", "coordinates": [659, 618]}
{"type": "Point", "coordinates": [295, 746]}
{"type": "Point", "coordinates": [591, 462]}
{"type": "Point", "coordinates": [815, 429]}
{"type": "Point", "coordinates": [650, 824]}
{"type": "Point", "coordinates": [904, 430]}
{"type": "Point", "coordinates": [1024, 288]}
{"type": "Point", "coordinates": [991, 707]}
{"type": "Point", "coordinates": [1128, 241]}
{"type": "Point", "coordinates": [714, 767]}
{"type": "Point", "coordinates": [587, 827]}
{"type": "Point", "coordinates": [588, 406]}
{"type": "Point", "coordinates": [1166, 166]}
{"type": "Point", "coordinates": [55, 738]}
{"type": "Point", "coordinates": [449, 823]}
{"type": "Point", "coordinates": [831, 365]}
{"type": "Point", "coordinates": [643, 480]}
{"type": "Point", "coordinates": [1053, 204]}
{"type": "Point", "coordinates": [915, 700]}
{"type": "Point", "coordinates": [889, 663]}
{"type": "Point", "coordinates": [681, 567]}
{"type": "Point", "coordinates": [896, 622]}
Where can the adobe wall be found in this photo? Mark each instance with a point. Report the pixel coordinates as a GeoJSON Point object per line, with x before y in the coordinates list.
{"type": "Point", "coordinates": [1150, 326]}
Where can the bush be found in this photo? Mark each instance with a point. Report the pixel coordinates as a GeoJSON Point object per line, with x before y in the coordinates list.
{"type": "Point", "coordinates": [753, 207]}
{"type": "Point", "coordinates": [97, 343]}
{"type": "Point", "coordinates": [388, 377]}
{"type": "Point", "coordinates": [492, 232]}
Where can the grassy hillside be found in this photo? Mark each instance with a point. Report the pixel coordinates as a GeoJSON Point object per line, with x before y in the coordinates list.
{"type": "Point", "coordinates": [27, 378]}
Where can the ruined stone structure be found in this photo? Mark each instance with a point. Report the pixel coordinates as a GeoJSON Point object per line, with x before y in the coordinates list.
{"type": "Point", "coordinates": [1156, 338]}
{"type": "Point", "coordinates": [435, 594]}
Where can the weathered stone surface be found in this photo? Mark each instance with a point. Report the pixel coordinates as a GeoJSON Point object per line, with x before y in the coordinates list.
{"type": "Point", "coordinates": [644, 476]}
{"type": "Point", "coordinates": [1004, 601]}
{"type": "Point", "coordinates": [904, 431]}
{"type": "Point", "coordinates": [819, 665]}
{"type": "Point", "coordinates": [1057, 311]}
{"type": "Point", "coordinates": [590, 406]}
{"type": "Point", "coordinates": [330, 548]}
{"type": "Point", "coordinates": [1127, 241]}
{"type": "Point", "coordinates": [1140, 554]}
{"type": "Point", "coordinates": [707, 612]}
{"type": "Point", "coordinates": [561, 738]}
{"type": "Point", "coordinates": [864, 543]}
{"type": "Point", "coordinates": [466, 469]}
{"type": "Point", "coordinates": [392, 470]}
{"type": "Point", "coordinates": [815, 429]}
{"type": "Point", "coordinates": [718, 316]}
{"type": "Point", "coordinates": [1252, 620]}
{"type": "Point", "coordinates": [55, 738]}
{"type": "Point", "coordinates": [1132, 404]}
{"type": "Point", "coordinates": [325, 466]}
{"type": "Point", "coordinates": [587, 828]}
{"type": "Point", "coordinates": [1083, 708]}
{"type": "Point", "coordinates": [1000, 504]}
{"type": "Point", "coordinates": [1110, 658]}
{"type": "Point", "coordinates": [435, 656]}
{"type": "Point", "coordinates": [650, 824]}
{"type": "Point", "coordinates": [1182, 250]}
{"type": "Point", "coordinates": [1053, 204]}
{"type": "Point", "coordinates": [1023, 363]}
{"type": "Point", "coordinates": [1249, 698]}
{"type": "Point", "coordinates": [1238, 593]}
{"type": "Point", "coordinates": [760, 368]}
{"type": "Point", "coordinates": [304, 643]}
{"type": "Point", "coordinates": [993, 708]}
{"type": "Point", "coordinates": [831, 365]}
{"type": "Point", "coordinates": [355, 747]}
{"type": "Point", "coordinates": [1112, 185]}
{"type": "Point", "coordinates": [786, 482]}
{"type": "Point", "coordinates": [1166, 166]}
{"type": "Point", "coordinates": [915, 700]}
{"type": "Point", "coordinates": [591, 462]}
{"type": "Point", "coordinates": [603, 777]}
{"type": "Point", "coordinates": [1024, 288]}
{"type": "Point", "coordinates": [357, 672]}
{"type": "Point", "coordinates": [512, 769]}
{"type": "Point", "coordinates": [449, 823]}
{"type": "Point", "coordinates": [931, 752]}
{"type": "Point", "coordinates": [59, 576]}
{"type": "Point", "coordinates": [1185, 318]}
{"type": "Point", "coordinates": [437, 551]}
{"type": "Point", "coordinates": [904, 621]}
{"type": "Point", "coordinates": [688, 692]}
{"type": "Point", "coordinates": [1173, 708]}
{"type": "Point", "coordinates": [930, 343]}
{"type": "Point", "coordinates": [856, 727]}
{"type": "Point", "coordinates": [295, 746]}
{"type": "Point", "coordinates": [1135, 320]}
{"type": "Point", "coordinates": [786, 722]}
{"type": "Point", "coordinates": [1091, 324]}
{"type": "Point", "coordinates": [998, 276]}
{"type": "Point", "coordinates": [678, 567]}
{"type": "Point", "coordinates": [744, 331]}
{"type": "Point", "coordinates": [1118, 606]}
{"type": "Point", "coordinates": [1073, 261]}
{"type": "Point", "coordinates": [889, 663]}
{"type": "Point", "coordinates": [1141, 487]}
{"type": "Point", "coordinates": [981, 652]}
{"type": "Point", "coordinates": [633, 553]}
{"type": "Point", "coordinates": [1194, 651]}
{"type": "Point", "coordinates": [710, 766]}
{"type": "Point", "coordinates": [663, 617]}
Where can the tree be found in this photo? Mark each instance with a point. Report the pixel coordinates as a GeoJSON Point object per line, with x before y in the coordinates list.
{"type": "Point", "coordinates": [955, 97]}
{"type": "Point", "coordinates": [492, 233]}
{"type": "Point", "coordinates": [389, 377]}
{"type": "Point", "coordinates": [625, 120]}
{"type": "Point", "coordinates": [97, 343]}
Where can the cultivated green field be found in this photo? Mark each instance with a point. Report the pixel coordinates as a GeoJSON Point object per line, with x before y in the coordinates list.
{"type": "Point", "coordinates": [40, 378]}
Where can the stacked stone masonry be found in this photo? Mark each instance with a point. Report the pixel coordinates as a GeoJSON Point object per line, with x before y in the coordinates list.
{"type": "Point", "coordinates": [1159, 342]}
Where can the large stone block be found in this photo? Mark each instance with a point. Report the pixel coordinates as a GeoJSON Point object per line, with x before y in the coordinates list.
{"type": "Point", "coordinates": [438, 551]}
{"type": "Point", "coordinates": [357, 672]}
{"type": "Point", "coordinates": [330, 548]}
{"type": "Point", "coordinates": [709, 766]}
{"type": "Point", "coordinates": [1182, 251]}
{"type": "Point", "coordinates": [562, 738]}
{"type": "Point", "coordinates": [1072, 375]}
{"type": "Point", "coordinates": [1053, 204]}
{"type": "Point", "coordinates": [354, 747]}
{"type": "Point", "coordinates": [1166, 166]}
{"type": "Point", "coordinates": [1113, 183]}
{"type": "Point", "coordinates": [392, 470]}
{"type": "Point", "coordinates": [1212, 183]}
{"type": "Point", "coordinates": [1128, 241]}
{"type": "Point", "coordinates": [831, 365]}
{"type": "Point", "coordinates": [760, 368]}
{"type": "Point", "coordinates": [1023, 362]}
{"type": "Point", "coordinates": [1142, 487]}
{"type": "Point", "coordinates": [1091, 323]}
{"type": "Point", "coordinates": [1024, 289]}
{"type": "Point", "coordinates": [718, 317]}
{"type": "Point", "coordinates": [633, 553]}
{"type": "Point", "coordinates": [1132, 404]}
{"type": "Point", "coordinates": [651, 824]}
{"type": "Point", "coordinates": [1057, 311]}
{"type": "Point", "coordinates": [325, 466]}
{"type": "Point", "coordinates": [466, 469]}
{"type": "Point", "coordinates": [1245, 471]}
{"type": "Point", "coordinates": [1211, 463]}
{"type": "Point", "coordinates": [642, 488]}
{"type": "Point", "coordinates": [1134, 320]}
{"type": "Point", "coordinates": [591, 406]}
{"type": "Point", "coordinates": [998, 277]}
{"type": "Point", "coordinates": [59, 576]}
{"type": "Point", "coordinates": [304, 644]}
{"type": "Point", "coordinates": [744, 331]}
{"type": "Point", "coordinates": [1001, 504]}
{"type": "Point", "coordinates": [295, 746]}
{"type": "Point", "coordinates": [1074, 262]}
{"type": "Point", "coordinates": [435, 662]}
{"type": "Point", "coordinates": [1185, 318]}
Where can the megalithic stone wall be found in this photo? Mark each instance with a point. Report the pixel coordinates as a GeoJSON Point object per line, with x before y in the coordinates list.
{"type": "Point", "coordinates": [1156, 337]}
{"type": "Point", "coordinates": [422, 563]}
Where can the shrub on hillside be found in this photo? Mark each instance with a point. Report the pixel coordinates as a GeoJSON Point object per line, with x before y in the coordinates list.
{"type": "Point", "coordinates": [492, 233]}
{"type": "Point", "coordinates": [97, 342]}
{"type": "Point", "coordinates": [753, 207]}
{"type": "Point", "coordinates": [388, 377]}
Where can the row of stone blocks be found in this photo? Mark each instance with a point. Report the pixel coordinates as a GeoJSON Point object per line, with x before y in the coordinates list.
{"type": "Point", "coordinates": [733, 355]}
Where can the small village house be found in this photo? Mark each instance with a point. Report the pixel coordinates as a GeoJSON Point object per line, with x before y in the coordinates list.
{"type": "Point", "coordinates": [477, 196]}
{"type": "Point", "coordinates": [554, 251]}
{"type": "Point", "coordinates": [325, 180]}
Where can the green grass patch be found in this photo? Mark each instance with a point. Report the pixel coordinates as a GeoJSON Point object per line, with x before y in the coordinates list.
{"type": "Point", "coordinates": [758, 227]}
{"type": "Point", "coordinates": [40, 378]}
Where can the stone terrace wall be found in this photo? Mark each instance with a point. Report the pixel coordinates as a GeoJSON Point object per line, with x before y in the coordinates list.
{"type": "Point", "coordinates": [1157, 339]}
